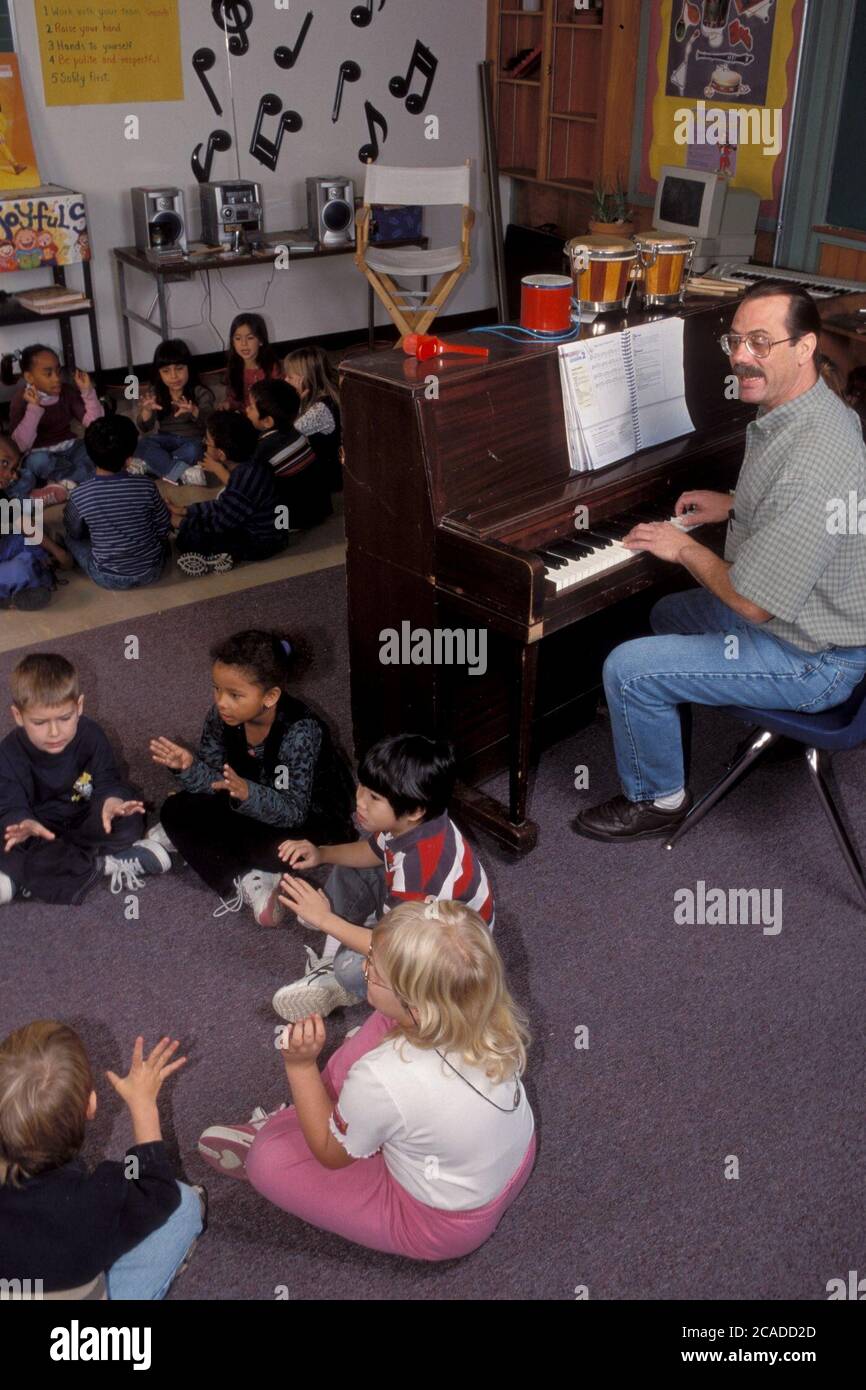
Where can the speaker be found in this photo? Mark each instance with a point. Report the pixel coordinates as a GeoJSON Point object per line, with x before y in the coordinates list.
{"type": "Point", "coordinates": [159, 219]}
{"type": "Point", "coordinates": [331, 211]}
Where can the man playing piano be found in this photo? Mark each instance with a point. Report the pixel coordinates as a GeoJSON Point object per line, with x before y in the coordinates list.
{"type": "Point", "coordinates": [780, 622]}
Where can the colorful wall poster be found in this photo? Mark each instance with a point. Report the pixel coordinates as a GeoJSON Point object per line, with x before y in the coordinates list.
{"type": "Point", "coordinates": [17, 158]}
{"type": "Point", "coordinates": [721, 49]}
{"type": "Point", "coordinates": [42, 227]}
{"type": "Point", "coordinates": [104, 51]}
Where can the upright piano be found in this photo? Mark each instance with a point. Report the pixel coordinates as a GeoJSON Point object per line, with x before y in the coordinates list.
{"type": "Point", "coordinates": [461, 514]}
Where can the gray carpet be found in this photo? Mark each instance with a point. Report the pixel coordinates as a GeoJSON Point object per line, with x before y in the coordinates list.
{"type": "Point", "coordinates": [705, 1041]}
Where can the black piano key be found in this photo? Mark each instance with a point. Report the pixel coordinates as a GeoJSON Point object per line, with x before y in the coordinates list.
{"type": "Point", "coordinates": [613, 530]}
{"type": "Point", "coordinates": [573, 549]}
{"type": "Point", "coordinates": [552, 561]}
{"type": "Point", "coordinates": [596, 540]}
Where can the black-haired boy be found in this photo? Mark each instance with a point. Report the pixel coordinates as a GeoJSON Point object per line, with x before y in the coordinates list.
{"type": "Point", "coordinates": [412, 851]}
{"type": "Point", "coordinates": [300, 477]}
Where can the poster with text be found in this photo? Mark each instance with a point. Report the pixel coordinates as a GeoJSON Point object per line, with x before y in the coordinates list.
{"type": "Point", "coordinates": [103, 51]}
{"type": "Point", "coordinates": [17, 158]}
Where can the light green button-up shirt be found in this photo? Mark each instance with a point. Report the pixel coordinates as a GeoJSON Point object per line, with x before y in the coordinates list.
{"type": "Point", "coordinates": [793, 539]}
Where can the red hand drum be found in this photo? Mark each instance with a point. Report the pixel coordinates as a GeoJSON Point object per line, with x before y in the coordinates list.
{"type": "Point", "coordinates": [545, 303]}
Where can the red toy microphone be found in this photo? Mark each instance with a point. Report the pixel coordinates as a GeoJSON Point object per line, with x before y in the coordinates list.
{"type": "Point", "coordinates": [425, 345]}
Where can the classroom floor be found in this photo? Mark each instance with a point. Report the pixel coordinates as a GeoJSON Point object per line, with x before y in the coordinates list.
{"type": "Point", "coordinates": [79, 605]}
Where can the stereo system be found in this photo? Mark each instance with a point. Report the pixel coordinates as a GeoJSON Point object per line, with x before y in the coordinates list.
{"type": "Point", "coordinates": [331, 210]}
{"type": "Point", "coordinates": [230, 212]}
{"type": "Point", "coordinates": [159, 220]}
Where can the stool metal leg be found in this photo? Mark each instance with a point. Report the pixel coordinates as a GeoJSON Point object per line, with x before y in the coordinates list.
{"type": "Point", "coordinates": [762, 740]}
{"type": "Point", "coordinates": [818, 764]}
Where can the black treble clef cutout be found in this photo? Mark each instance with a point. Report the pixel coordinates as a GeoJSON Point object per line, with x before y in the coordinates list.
{"type": "Point", "coordinates": [217, 140]}
{"type": "Point", "coordinates": [368, 154]}
{"type": "Point", "coordinates": [234, 17]}
{"type": "Point", "coordinates": [266, 151]}
{"type": "Point", "coordinates": [362, 15]}
{"type": "Point", "coordinates": [285, 57]}
{"type": "Point", "coordinates": [349, 72]}
{"type": "Point", "coordinates": [425, 62]}
{"type": "Point", "coordinates": [203, 60]}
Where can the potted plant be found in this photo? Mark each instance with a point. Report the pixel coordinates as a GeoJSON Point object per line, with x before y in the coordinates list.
{"type": "Point", "coordinates": [610, 211]}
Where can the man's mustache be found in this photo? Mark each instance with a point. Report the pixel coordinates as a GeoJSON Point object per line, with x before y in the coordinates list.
{"type": "Point", "coordinates": [742, 371]}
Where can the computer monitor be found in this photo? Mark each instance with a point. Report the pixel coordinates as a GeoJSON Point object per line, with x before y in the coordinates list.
{"type": "Point", "coordinates": [702, 204]}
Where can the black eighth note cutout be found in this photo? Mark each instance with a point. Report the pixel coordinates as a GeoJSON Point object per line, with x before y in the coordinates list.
{"type": "Point", "coordinates": [285, 57]}
{"type": "Point", "coordinates": [203, 60]}
{"type": "Point", "coordinates": [362, 15]}
{"type": "Point", "coordinates": [266, 151]}
{"type": "Point", "coordinates": [349, 72]}
{"type": "Point", "coordinates": [217, 140]}
{"type": "Point", "coordinates": [425, 62]}
{"type": "Point", "coordinates": [368, 154]}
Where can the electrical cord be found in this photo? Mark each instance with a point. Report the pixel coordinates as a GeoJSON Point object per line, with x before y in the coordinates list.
{"type": "Point", "coordinates": [510, 330]}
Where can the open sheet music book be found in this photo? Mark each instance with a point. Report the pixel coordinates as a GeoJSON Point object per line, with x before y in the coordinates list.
{"type": "Point", "coordinates": [623, 392]}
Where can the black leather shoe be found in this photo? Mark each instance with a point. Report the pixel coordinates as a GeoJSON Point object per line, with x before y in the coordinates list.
{"type": "Point", "coordinates": [621, 819]}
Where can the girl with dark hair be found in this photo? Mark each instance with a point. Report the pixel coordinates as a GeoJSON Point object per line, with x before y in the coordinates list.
{"type": "Point", "coordinates": [265, 763]}
{"type": "Point", "coordinates": [173, 415]}
{"type": "Point", "coordinates": [41, 415]}
{"type": "Point", "coordinates": [250, 359]}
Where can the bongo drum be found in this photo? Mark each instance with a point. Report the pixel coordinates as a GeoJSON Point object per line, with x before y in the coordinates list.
{"type": "Point", "coordinates": [601, 267]}
{"type": "Point", "coordinates": [545, 303]}
{"type": "Point", "coordinates": [666, 259]}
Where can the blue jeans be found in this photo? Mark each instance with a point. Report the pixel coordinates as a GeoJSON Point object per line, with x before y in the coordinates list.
{"type": "Point", "coordinates": [168, 455]}
{"type": "Point", "coordinates": [695, 659]}
{"type": "Point", "coordinates": [146, 1272]}
{"type": "Point", "coordinates": [354, 895]}
{"type": "Point", "coordinates": [82, 553]}
{"type": "Point", "coordinates": [43, 466]}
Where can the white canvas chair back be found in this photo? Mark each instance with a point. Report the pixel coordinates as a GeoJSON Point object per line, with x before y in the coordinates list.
{"type": "Point", "coordinates": [433, 187]}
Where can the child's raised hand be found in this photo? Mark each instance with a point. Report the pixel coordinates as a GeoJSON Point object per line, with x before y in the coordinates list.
{"type": "Point", "coordinates": [305, 900]}
{"type": "Point", "coordinates": [17, 834]}
{"type": "Point", "coordinates": [113, 806]}
{"type": "Point", "coordinates": [82, 380]}
{"type": "Point", "coordinates": [31, 396]}
{"type": "Point", "coordinates": [186, 407]}
{"type": "Point", "coordinates": [233, 784]}
{"type": "Point", "coordinates": [146, 1074]}
{"type": "Point", "coordinates": [299, 854]}
{"type": "Point", "coordinates": [170, 755]}
{"type": "Point", "coordinates": [301, 1042]}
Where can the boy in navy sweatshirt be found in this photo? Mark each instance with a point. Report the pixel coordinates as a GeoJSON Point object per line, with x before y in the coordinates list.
{"type": "Point", "coordinates": [66, 816]}
{"type": "Point", "coordinates": [123, 1231]}
{"type": "Point", "coordinates": [241, 523]}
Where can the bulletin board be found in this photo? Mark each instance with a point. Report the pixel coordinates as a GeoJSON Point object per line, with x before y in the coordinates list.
{"type": "Point", "coordinates": [768, 64]}
{"type": "Point", "coordinates": [103, 51]}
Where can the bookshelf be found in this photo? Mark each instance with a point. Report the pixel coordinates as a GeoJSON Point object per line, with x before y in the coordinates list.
{"type": "Point", "coordinates": [567, 124]}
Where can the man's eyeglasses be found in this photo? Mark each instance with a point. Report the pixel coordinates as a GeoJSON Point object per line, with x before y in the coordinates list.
{"type": "Point", "coordinates": [759, 344]}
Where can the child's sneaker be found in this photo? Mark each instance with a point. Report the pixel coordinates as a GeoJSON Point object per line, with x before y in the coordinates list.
{"type": "Point", "coordinates": [225, 1147]}
{"type": "Point", "coordinates": [194, 476]}
{"type": "Point", "coordinates": [195, 565]}
{"type": "Point", "coordinates": [53, 494]}
{"type": "Point", "coordinates": [7, 889]}
{"type": "Point", "coordinates": [319, 992]}
{"type": "Point", "coordinates": [138, 468]}
{"type": "Point", "coordinates": [128, 865]}
{"type": "Point", "coordinates": [257, 890]}
{"type": "Point", "coordinates": [159, 837]}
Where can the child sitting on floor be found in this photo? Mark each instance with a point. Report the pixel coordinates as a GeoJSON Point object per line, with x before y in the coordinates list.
{"type": "Point", "coordinates": [66, 815]}
{"type": "Point", "coordinates": [417, 1136]}
{"type": "Point", "coordinates": [41, 415]}
{"type": "Point", "coordinates": [124, 1230]}
{"type": "Point", "coordinates": [250, 359]}
{"type": "Point", "coordinates": [116, 524]}
{"type": "Point", "coordinates": [311, 374]}
{"type": "Point", "coordinates": [11, 460]}
{"type": "Point", "coordinates": [172, 416]}
{"type": "Point", "coordinates": [242, 521]}
{"type": "Point", "coordinates": [266, 763]}
{"type": "Point", "coordinates": [300, 482]}
{"type": "Point", "coordinates": [411, 849]}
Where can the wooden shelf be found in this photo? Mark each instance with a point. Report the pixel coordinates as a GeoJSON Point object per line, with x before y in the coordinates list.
{"type": "Point", "coordinates": [585, 116]}
{"type": "Point", "coordinates": [521, 81]}
{"type": "Point", "coordinates": [568, 24]}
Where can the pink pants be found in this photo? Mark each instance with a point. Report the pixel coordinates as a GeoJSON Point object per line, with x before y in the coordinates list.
{"type": "Point", "coordinates": [363, 1202]}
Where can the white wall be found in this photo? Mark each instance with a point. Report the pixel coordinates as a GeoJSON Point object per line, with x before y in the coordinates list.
{"type": "Point", "coordinates": [83, 147]}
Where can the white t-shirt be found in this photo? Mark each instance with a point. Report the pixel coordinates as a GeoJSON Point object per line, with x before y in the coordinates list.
{"type": "Point", "coordinates": [445, 1144]}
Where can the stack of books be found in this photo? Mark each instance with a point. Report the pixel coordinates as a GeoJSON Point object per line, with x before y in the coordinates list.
{"type": "Point", "coordinates": [52, 299]}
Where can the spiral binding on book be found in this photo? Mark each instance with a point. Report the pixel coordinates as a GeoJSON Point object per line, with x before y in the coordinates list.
{"type": "Point", "coordinates": [631, 382]}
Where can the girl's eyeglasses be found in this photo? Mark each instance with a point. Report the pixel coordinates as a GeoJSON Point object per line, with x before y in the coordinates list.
{"type": "Point", "coordinates": [759, 344]}
{"type": "Point", "coordinates": [368, 966]}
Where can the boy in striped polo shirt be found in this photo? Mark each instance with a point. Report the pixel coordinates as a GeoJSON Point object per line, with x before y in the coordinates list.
{"type": "Point", "coordinates": [411, 850]}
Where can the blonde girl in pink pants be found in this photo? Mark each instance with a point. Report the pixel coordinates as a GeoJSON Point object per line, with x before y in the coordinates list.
{"type": "Point", "coordinates": [417, 1135]}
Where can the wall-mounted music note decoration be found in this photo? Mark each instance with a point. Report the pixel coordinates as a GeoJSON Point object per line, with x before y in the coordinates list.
{"type": "Point", "coordinates": [203, 60]}
{"type": "Point", "coordinates": [266, 151]}
{"type": "Point", "coordinates": [425, 62]}
{"type": "Point", "coordinates": [362, 15]}
{"type": "Point", "coordinates": [349, 72]}
{"type": "Point", "coordinates": [285, 57]}
{"type": "Point", "coordinates": [217, 140]}
{"type": "Point", "coordinates": [234, 17]}
{"type": "Point", "coordinates": [368, 154]}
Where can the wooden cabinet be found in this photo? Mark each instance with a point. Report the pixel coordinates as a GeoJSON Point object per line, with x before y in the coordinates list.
{"type": "Point", "coordinates": [567, 124]}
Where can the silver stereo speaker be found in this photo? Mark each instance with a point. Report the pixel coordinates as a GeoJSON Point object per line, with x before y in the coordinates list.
{"type": "Point", "coordinates": [331, 210]}
{"type": "Point", "coordinates": [159, 220]}
{"type": "Point", "coordinates": [231, 211]}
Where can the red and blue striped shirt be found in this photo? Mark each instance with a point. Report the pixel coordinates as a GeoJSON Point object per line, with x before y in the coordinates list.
{"type": "Point", "coordinates": [433, 860]}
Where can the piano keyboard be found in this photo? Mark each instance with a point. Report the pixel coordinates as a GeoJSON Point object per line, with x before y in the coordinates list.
{"type": "Point", "coordinates": [587, 554]}
{"type": "Point", "coordinates": [819, 286]}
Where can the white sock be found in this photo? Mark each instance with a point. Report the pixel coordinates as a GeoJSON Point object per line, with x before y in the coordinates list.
{"type": "Point", "coordinates": [332, 946]}
{"type": "Point", "coordinates": [672, 802]}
